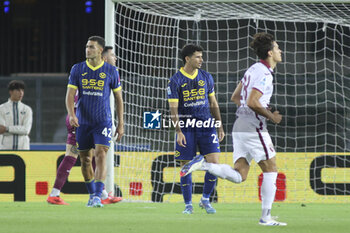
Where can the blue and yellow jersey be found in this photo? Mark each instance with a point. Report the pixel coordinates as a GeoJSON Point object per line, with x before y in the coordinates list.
{"type": "Point", "coordinates": [94, 85]}
{"type": "Point", "coordinates": [191, 92]}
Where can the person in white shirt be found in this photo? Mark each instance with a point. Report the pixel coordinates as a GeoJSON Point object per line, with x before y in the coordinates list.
{"type": "Point", "coordinates": [251, 139]}
{"type": "Point", "coordinates": [15, 119]}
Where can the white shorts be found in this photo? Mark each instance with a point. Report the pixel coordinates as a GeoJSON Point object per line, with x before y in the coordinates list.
{"type": "Point", "coordinates": [250, 142]}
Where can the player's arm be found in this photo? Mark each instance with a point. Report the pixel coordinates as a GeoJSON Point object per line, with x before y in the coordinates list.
{"type": "Point", "coordinates": [215, 111]}
{"type": "Point", "coordinates": [254, 103]}
{"type": "Point", "coordinates": [236, 95]}
{"type": "Point", "coordinates": [71, 91]}
{"type": "Point", "coordinates": [120, 113]}
{"type": "Point", "coordinates": [174, 104]}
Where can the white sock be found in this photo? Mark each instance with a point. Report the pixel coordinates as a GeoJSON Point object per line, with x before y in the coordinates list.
{"type": "Point", "coordinates": [223, 171]}
{"type": "Point", "coordinates": [268, 191]}
{"type": "Point", "coordinates": [104, 194]}
{"type": "Point", "coordinates": [55, 192]}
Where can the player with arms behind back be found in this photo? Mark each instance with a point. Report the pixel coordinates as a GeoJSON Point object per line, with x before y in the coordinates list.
{"type": "Point", "coordinates": [72, 153]}
{"type": "Point", "coordinates": [94, 79]}
{"type": "Point", "coordinates": [191, 97]}
{"type": "Point", "coordinates": [251, 139]}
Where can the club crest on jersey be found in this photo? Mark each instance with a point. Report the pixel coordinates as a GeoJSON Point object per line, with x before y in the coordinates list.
{"type": "Point", "coordinates": [169, 91]}
{"type": "Point", "coordinates": [102, 75]}
{"type": "Point", "coordinates": [263, 82]}
{"type": "Point", "coordinates": [201, 83]}
{"type": "Point", "coordinates": [177, 153]}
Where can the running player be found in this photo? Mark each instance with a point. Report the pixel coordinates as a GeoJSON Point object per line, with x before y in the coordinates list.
{"type": "Point", "coordinates": [251, 139]}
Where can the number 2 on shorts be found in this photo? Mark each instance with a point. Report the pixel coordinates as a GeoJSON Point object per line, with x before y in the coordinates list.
{"type": "Point", "coordinates": [215, 138]}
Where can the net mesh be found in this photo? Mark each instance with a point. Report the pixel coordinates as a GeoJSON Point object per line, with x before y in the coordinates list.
{"type": "Point", "coordinates": [312, 89]}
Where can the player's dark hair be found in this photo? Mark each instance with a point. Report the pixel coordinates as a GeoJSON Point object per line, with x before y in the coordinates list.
{"type": "Point", "coordinates": [99, 40]}
{"type": "Point", "coordinates": [262, 43]}
{"type": "Point", "coordinates": [105, 50]}
{"type": "Point", "coordinates": [189, 50]}
{"type": "Point", "coordinates": [15, 85]}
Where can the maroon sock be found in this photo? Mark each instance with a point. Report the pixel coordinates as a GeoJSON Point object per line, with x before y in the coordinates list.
{"type": "Point", "coordinates": [63, 171]}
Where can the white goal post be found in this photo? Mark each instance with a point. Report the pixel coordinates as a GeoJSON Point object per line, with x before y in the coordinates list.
{"type": "Point", "coordinates": [311, 89]}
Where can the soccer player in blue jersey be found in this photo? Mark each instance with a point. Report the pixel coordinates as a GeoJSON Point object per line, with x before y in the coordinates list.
{"type": "Point", "coordinates": [94, 79]}
{"type": "Point", "coordinates": [193, 105]}
{"type": "Point", "coordinates": [72, 153]}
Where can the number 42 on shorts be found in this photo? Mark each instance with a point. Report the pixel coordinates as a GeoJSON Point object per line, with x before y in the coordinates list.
{"type": "Point", "coordinates": [107, 132]}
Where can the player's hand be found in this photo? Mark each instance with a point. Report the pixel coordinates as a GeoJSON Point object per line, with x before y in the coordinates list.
{"type": "Point", "coordinates": [73, 121]}
{"type": "Point", "coordinates": [181, 139]}
{"type": "Point", "coordinates": [277, 117]}
{"type": "Point", "coordinates": [221, 134]}
{"type": "Point", "coordinates": [119, 132]}
{"type": "Point", "coordinates": [2, 129]}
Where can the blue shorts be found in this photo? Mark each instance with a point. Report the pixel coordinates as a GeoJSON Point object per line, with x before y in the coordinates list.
{"type": "Point", "coordinates": [88, 136]}
{"type": "Point", "coordinates": [205, 138]}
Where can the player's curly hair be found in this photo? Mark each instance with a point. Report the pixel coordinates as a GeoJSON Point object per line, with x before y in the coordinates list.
{"type": "Point", "coordinates": [262, 43]}
{"type": "Point", "coordinates": [189, 50]}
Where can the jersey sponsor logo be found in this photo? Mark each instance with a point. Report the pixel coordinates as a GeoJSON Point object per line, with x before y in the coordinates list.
{"type": "Point", "coordinates": [93, 84]}
{"type": "Point", "coordinates": [194, 94]}
{"type": "Point", "coordinates": [102, 75]}
{"type": "Point", "coordinates": [84, 74]}
{"type": "Point", "coordinates": [92, 93]}
{"type": "Point", "coordinates": [193, 104]}
{"type": "Point", "coordinates": [183, 85]}
{"type": "Point", "coordinates": [201, 83]}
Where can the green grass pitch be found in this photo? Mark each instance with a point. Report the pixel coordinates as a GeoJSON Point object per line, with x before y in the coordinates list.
{"type": "Point", "coordinates": [124, 217]}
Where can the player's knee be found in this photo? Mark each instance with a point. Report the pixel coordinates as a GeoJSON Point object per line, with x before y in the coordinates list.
{"type": "Point", "coordinates": [101, 151]}
{"type": "Point", "coordinates": [268, 165]}
{"type": "Point", "coordinates": [85, 161]}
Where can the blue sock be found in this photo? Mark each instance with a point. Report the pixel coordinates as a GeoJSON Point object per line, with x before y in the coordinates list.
{"type": "Point", "coordinates": [209, 184]}
{"type": "Point", "coordinates": [186, 188]}
{"type": "Point", "coordinates": [99, 188]}
{"type": "Point", "coordinates": [90, 185]}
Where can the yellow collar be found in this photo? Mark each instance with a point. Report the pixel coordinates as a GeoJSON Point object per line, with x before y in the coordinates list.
{"type": "Point", "coordinates": [94, 67]}
{"type": "Point", "coordinates": [193, 76]}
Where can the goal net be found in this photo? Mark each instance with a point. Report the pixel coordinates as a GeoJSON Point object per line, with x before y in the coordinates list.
{"type": "Point", "coordinates": [311, 90]}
